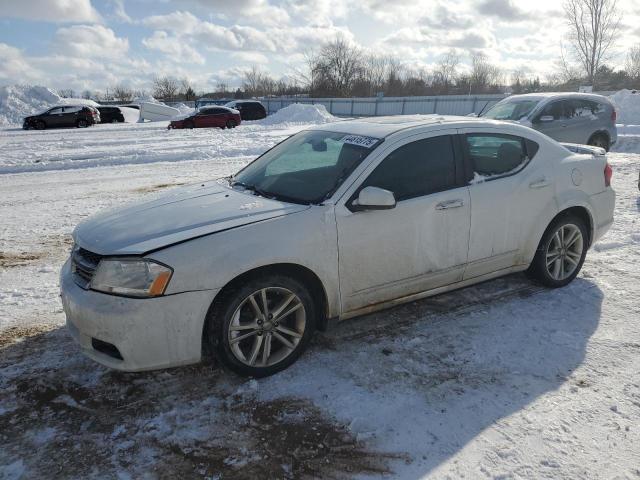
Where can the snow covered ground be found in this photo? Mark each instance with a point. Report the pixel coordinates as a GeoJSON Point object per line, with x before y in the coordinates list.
{"type": "Point", "coordinates": [501, 380]}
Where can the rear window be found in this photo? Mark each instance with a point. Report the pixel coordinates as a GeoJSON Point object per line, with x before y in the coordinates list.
{"type": "Point", "coordinates": [498, 155]}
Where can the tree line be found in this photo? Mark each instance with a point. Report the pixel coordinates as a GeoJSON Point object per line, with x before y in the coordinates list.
{"type": "Point", "coordinates": [341, 69]}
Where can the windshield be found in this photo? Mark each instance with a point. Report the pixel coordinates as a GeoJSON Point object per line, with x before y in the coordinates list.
{"type": "Point", "coordinates": [307, 167]}
{"type": "Point", "coordinates": [511, 109]}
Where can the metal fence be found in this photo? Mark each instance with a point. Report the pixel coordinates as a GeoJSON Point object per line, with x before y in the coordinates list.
{"type": "Point", "coordinates": [374, 106]}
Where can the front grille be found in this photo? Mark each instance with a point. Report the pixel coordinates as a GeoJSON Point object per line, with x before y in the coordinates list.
{"type": "Point", "coordinates": [83, 266]}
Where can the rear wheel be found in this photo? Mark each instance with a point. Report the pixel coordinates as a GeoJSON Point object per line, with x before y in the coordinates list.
{"type": "Point", "coordinates": [262, 326]}
{"type": "Point", "coordinates": [231, 124]}
{"type": "Point", "coordinates": [82, 123]}
{"type": "Point", "coordinates": [561, 252]}
{"type": "Point", "coordinates": [599, 140]}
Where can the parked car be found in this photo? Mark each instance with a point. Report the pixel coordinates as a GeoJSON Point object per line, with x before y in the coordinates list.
{"type": "Point", "coordinates": [110, 115]}
{"type": "Point", "coordinates": [80, 116]}
{"type": "Point", "coordinates": [249, 109]}
{"type": "Point", "coordinates": [220, 117]}
{"type": "Point", "coordinates": [566, 117]}
{"type": "Point", "coordinates": [336, 221]}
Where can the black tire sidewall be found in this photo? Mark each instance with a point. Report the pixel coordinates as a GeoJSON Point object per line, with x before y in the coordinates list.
{"type": "Point", "coordinates": [604, 139]}
{"type": "Point", "coordinates": [538, 269]}
{"type": "Point", "coordinates": [223, 309]}
{"type": "Point", "coordinates": [230, 124]}
{"type": "Point", "coordinates": [82, 124]}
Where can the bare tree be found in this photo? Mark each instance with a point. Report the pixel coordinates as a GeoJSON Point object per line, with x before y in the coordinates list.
{"type": "Point", "coordinates": [593, 26]}
{"type": "Point", "coordinates": [165, 87]}
{"type": "Point", "coordinates": [483, 73]}
{"type": "Point", "coordinates": [335, 68]}
{"type": "Point", "coordinates": [187, 90]}
{"type": "Point", "coordinates": [632, 63]}
{"type": "Point", "coordinates": [446, 71]}
{"type": "Point", "coordinates": [122, 93]}
{"type": "Point", "coordinates": [66, 93]}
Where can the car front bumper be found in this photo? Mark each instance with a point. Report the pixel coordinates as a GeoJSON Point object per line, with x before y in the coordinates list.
{"type": "Point", "coordinates": [148, 333]}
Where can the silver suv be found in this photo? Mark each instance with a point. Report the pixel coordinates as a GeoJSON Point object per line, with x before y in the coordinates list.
{"type": "Point", "coordinates": [566, 117]}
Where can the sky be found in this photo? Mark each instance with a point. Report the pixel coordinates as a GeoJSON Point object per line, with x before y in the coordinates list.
{"type": "Point", "coordinates": [96, 44]}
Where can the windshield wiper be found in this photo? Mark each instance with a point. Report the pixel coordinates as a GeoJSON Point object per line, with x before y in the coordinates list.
{"type": "Point", "coordinates": [269, 195]}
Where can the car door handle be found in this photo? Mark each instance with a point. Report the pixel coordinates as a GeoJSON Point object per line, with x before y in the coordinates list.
{"type": "Point", "coordinates": [449, 204]}
{"type": "Point", "coordinates": [540, 183]}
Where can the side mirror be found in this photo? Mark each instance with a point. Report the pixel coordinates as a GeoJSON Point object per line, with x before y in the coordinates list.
{"type": "Point", "coordinates": [546, 119]}
{"type": "Point", "coordinates": [374, 198]}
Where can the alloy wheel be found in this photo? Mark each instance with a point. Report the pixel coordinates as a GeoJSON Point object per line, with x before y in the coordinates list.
{"type": "Point", "coordinates": [267, 327]}
{"type": "Point", "coordinates": [564, 252]}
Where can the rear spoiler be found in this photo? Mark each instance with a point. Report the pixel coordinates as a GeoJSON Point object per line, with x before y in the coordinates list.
{"type": "Point", "coordinates": [586, 149]}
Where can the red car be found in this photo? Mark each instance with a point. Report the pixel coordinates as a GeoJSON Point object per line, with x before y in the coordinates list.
{"type": "Point", "coordinates": [221, 117]}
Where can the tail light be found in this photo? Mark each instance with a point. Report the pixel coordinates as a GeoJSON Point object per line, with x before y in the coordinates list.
{"type": "Point", "coordinates": [614, 116]}
{"type": "Point", "coordinates": [608, 173]}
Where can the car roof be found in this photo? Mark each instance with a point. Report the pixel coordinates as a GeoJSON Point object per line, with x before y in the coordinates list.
{"type": "Point", "coordinates": [380, 127]}
{"type": "Point", "coordinates": [560, 95]}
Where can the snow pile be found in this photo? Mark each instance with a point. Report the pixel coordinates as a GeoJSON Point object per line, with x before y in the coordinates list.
{"type": "Point", "coordinates": [627, 104]}
{"type": "Point", "coordinates": [299, 113]}
{"type": "Point", "coordinates": [19, 101]}
{"type": "Point", "coordinates": [131, 115]}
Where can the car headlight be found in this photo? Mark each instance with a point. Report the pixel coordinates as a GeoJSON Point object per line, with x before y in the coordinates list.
{"type": "Point", "coordinates": [132, 277]}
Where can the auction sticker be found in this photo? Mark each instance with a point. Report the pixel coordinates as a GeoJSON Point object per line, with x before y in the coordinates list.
{"type": "Point", "coordinates": [366, 142]}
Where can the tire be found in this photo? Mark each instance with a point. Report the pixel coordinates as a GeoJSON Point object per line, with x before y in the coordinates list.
{"type": "Point", "coordinates": [188, 125]}
{"type": "Point", "coordinates": [40, 125]}
{"type": "Point", "coordinates": [82, 123]}
{"type": "Point", "coordinates": [235, 313]}
{"type": "Point", "coordinates": [231, 124]}
{"type": "Point", "coordinates": [561, 252]}
{"type": "Point", "coordinates": [599, 140]}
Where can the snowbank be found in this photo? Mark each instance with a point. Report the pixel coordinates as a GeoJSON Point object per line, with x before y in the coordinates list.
{"type": "Point", "coordinates": [131, 115]}
{"type": "Point", "coordinates": [299, 113]}
{"type": "Point", "coordinates": [19, 101]}
{"type": "Point", "coordinates": [627, 104]}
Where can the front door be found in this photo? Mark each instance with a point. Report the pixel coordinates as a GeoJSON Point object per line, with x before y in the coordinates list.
{"type": "Point", "coordinates": [55, 117]}
{"type": "Point", "coordinates": [420, 244]}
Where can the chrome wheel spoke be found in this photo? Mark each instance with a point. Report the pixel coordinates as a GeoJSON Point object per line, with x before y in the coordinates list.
{"type": "Point", "coordinates": [573, 237]}
{"type": "Point", "coordinates": [257, 343]}
{"type": "Point", "coordinates": [265, 305]}
{"type": "Point", "coordinates": [289, 312]}
{"type": "Point", "coordinates": [283, 305]}
{"type": "Point", "coordinates": [572, 261]}
{"type": "Point", "coordinates": [237, 328]}
{"type": "Point", "coordinates": [239, 338]}
{"type": "Point", "coordinates": [266, 349]}
{"type": "Point", "coordinates": [288, 331]}
{"type": "Point", "coordinates": [255, 307]}
{"type": "Point", "coordinates": [284, 341]}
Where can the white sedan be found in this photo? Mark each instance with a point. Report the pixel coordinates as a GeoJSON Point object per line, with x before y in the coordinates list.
{"type": "Point", "coordinates": [336, 221]}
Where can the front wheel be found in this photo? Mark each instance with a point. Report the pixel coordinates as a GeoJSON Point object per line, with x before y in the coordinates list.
{"type": "Point", "coordinates": [82, 123]}
{"type": "Point", "coordinates": [231, 124]}
{"type": "Point", "coordinates": [263, 326]}
{"type": "Point", "coordinates": [561, 252]}
{"type": "Point", "coordinates": [40, 125]}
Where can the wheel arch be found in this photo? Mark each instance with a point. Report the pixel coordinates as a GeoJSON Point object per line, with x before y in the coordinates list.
{"type": "Point", "coordinates": [581, 212]}
{"type": "Point", "coordinates": [299, 272]}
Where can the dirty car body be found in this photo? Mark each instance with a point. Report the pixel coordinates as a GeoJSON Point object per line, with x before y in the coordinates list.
{"type": "Point", "coordinates": [339, 220]}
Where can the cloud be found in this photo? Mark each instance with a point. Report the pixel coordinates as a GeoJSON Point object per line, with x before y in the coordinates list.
{"type": "Point", "coordinates": [119, 12]}
{"type": "Point", "coordinates": [56, 11]}
{"type": "Point", "coordinates": [259, 12]}
{"type": "Point", "coordinates": [250, 57]}
{"type": "Point", "coordinates": [442, 18]}
{"type": "Point", "coordinates": [173, 47]}
{"type": "Point", "coordinates": [13, 65]}
{"type": "Point", "coordinates": [503, 9]}
{"type": "Point", "coordinates": [89, 41]}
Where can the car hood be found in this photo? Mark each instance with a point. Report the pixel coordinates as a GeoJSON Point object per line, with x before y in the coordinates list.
{"type": "Point", "coordinates": [181, 214]}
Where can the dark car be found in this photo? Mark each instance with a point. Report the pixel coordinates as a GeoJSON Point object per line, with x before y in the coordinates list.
{"type": "Point", "coordinates": [249, 109]}
{"type": "Point", "coordinates": [80, 116]}
{"type": "Point", "coordinates": [221, 117]}
{"type": "Point", "coordinates": [110, 115]}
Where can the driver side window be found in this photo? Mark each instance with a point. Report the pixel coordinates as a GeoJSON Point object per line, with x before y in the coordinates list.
{"type": "Point", "coordinates": [417, 169]}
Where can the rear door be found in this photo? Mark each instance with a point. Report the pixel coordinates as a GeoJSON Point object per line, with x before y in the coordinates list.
{"type": "Point", "coordinates": [70, 116]}
{"type": "Point", "coordinates": [511, 191]}
{"type": "Point", "coordinates": [420, 244]}
{"type": "Point", "coordinates": [559, 123]}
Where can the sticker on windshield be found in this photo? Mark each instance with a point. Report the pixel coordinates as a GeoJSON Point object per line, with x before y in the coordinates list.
{"type": "Point", "coordinates": [366, 142]}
